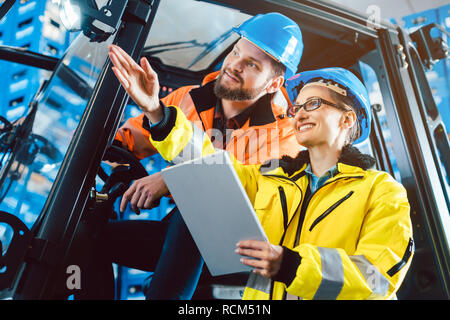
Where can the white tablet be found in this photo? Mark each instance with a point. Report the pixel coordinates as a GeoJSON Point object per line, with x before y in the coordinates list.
{"type": "Point", "coordinates": [215, 208]}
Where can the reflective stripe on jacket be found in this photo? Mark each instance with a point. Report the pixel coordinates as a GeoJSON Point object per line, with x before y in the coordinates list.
{"type": "Point", "coordinates": [266, 134]}
{"type": "Point", "coordinates": [351, 239]}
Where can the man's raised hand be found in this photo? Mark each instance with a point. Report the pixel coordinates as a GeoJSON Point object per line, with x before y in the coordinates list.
{"type": "Point", "coordinates": [140, 82]}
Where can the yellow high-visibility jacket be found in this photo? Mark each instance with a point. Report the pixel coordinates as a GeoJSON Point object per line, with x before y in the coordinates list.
{"type": "Point", "coordinates": [350, 239]}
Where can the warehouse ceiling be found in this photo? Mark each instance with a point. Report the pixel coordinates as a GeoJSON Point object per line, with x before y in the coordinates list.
{"type": "Point", "coordinates": [393, 9]}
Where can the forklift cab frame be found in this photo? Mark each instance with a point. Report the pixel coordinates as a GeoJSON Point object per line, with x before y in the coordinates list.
{"type": "Point", "coordinates": [333, 36]}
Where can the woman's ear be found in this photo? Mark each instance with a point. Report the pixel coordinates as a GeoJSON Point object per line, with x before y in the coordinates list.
{"type": "Point", "coordinates": [348, 120]}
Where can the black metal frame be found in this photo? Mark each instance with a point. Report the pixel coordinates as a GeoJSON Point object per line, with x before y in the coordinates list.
{"type": "Point", "coordinates": [29, 58]}
{"type": "Point", "coordinates": [5, 7]}
{"type": "Point", "coordinates": [67, 199]}
{"type": "Point", "coordinates": [415, 162]}
{"type": "Point", "coordinates": [379, 143]}
{"type": "Point", "coordinates": [430, 175]}
{"type": "Point", "coordinates": [49, 63]}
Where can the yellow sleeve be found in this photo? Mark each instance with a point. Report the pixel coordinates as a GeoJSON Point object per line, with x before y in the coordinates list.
{"type": "Point", "coordinates": [186, 141]}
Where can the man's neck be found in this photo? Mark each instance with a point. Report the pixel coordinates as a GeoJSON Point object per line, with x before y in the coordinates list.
{"type": "Point", "coordinates": [233, 108]}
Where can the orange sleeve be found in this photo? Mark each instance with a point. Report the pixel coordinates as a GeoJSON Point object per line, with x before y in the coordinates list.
{"type": "Point", "coordinates": [135, 138]}
{"type": "Point", "coordinates": [286, 96]}
{"type": "Point", "coordinates": [287, 139]}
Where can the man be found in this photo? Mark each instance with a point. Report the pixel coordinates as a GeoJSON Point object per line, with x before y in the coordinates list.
{"type": "Point", "coordinates": [234, 106]}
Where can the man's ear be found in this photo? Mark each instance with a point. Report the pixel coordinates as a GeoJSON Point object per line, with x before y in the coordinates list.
{"type": "Point", "coordinates": [275, 84]}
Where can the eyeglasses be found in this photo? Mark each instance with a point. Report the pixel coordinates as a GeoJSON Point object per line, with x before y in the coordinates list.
{"type": "Point", "coordinates": [311, 105]}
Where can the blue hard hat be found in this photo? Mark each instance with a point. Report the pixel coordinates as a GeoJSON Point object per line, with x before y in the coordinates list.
{"type": "Point", "coordinates": [345, 79]}
{"type": "Point", "coordinates": [277, 35]}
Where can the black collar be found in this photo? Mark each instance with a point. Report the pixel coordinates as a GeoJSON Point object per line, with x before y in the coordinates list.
{"type": "Point", "coordinates": [350, 155]}
{"type": "Point", "coordinates": [239, 119]}
{"type": "Point", "coordinates": [204, 97]}
{"type": "Point", "coordinates": [260, 113]}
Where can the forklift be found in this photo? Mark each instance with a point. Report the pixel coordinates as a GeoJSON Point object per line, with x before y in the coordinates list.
{"type": "Point", "coordinates": [408, 140]}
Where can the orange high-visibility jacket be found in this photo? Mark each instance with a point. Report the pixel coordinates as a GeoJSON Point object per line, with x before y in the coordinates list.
{"type": "Point", "coordinates": [267, 134]}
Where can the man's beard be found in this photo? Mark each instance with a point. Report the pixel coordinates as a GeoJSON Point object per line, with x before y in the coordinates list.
{"type": "Point", "coordinates": [237, 94]}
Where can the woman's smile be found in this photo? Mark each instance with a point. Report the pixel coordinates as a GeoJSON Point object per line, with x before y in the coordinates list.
{"type": "Point", "coordinates": [305, 127]}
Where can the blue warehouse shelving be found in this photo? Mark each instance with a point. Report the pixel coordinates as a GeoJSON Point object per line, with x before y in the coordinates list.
{"type": "Point", "coordinates": [30, 25]}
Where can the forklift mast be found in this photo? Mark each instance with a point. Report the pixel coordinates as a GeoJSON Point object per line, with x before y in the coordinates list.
{"type": "Point", "coordinates": [69, 193]}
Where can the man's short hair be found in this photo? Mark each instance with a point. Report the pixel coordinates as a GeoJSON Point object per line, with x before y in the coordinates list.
{"type": "Point", "coordinates": [278, 69]}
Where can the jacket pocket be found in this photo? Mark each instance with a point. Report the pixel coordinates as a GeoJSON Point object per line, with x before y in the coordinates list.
{"type": "Point", "coordinates": [329, 210]}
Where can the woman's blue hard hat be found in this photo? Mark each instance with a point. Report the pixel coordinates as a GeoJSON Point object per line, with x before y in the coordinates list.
{"type": "Point", "coordinates": [345, 79]}
{"type": "Point", "coordinates": [277, 35]}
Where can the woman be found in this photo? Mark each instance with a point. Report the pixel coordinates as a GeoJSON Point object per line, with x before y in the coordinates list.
{"type": "Point", "coordinates": [337, 229]}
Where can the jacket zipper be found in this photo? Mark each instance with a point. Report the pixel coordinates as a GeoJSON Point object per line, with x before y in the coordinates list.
{"type": "Point", "coordinates": [329, 210]}
{"type": "Point", "coordinates": [287, 223]}
{"type": "Point", "coordinates": [283, 206]}
{"type": "Point", "coordinates": [301, 219]}
{"type": "Point", "coordinates": [306, 203]}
